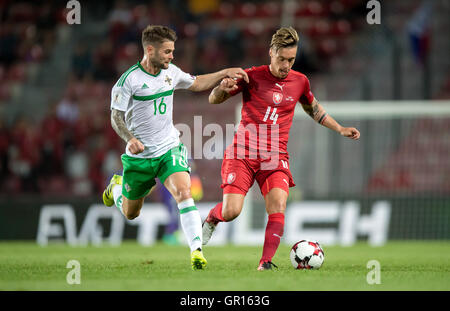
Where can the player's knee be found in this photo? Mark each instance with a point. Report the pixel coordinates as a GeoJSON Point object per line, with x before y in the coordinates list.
{"type": "Point", "coordinates": [131, 210]}
{"type": "Point", "coordinates": [183, 194]}
{"type": "Point", "coordinates": [130, 215]}
{"type": "Point", "coordinates": [230, 212]}
{"type": "Point", "coordinates": [276, 206]}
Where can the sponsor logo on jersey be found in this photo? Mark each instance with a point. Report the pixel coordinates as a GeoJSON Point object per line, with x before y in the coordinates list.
{"type": "Point", "coordinates": [231, 178]}
{"type": "Point", "coordinates": [290, 99]}
{"type": "Point", "coordinates": [277, 98]}
{"type": "Point", "coordinates": [144, 86]}
{"type": "Point", "coordinates": [280, 86]}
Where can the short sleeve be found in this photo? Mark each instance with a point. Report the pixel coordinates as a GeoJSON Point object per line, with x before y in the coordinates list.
{"type": "Point", "coordinates": [120, 95]}
{"type": "Point", "coordinates": [307, 96]}
{"type": "Point", "coordinates": [182, 79]}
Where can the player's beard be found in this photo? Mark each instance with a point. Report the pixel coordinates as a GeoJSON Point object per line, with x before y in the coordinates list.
{"type": "Point", "coordinates": [160, 64]}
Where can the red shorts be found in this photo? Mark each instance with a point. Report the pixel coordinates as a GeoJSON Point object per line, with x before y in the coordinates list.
{"type": "Point", "coordinates": [238, 175]}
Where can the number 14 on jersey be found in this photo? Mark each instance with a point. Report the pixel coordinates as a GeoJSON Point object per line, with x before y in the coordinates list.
{"type": "Point", "coordinates": [273, 115]}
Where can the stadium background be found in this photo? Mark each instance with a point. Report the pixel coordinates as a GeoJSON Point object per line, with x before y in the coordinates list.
{"type": "Point", "coordinates": [57, 148]}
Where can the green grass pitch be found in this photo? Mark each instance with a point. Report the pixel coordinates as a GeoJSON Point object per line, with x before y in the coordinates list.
{"type": "Point", "coordinates": [404, 266]}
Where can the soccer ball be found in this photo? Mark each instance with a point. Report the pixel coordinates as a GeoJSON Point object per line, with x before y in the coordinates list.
{"type": "Point", "coordinates": [307, 255]}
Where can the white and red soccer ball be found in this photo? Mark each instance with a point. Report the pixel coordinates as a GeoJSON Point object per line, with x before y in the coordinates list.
{"type": "Point", "coordinates": [307, 255]}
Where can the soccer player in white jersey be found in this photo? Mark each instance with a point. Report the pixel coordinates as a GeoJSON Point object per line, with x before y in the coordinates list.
{"type": "Point", "coordinates": [141, 114]}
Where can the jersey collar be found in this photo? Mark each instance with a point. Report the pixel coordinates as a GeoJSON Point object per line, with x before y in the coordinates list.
{"type": "Point", "coordinates": [276, 78]}
{"type": "Point", "coordinates": [142, 68]}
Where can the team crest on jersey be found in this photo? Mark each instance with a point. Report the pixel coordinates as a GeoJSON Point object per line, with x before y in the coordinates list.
{"type": "Point", "coordinates": [277, 98]}
{"type": "Point", "coordinates": [127, 187]}
{"type": "Point", "coordinates": [231, 178]}
{"type": "Point", "coordinates": [168, 80]}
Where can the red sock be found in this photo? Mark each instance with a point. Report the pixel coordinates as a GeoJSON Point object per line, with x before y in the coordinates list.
{"type": "Point", "coordinates": [215, 214]}
{"type": "Point", "coordinates": [274, 232]}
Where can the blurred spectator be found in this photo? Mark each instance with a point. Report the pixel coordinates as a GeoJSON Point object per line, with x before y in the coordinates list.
{"type": "Point", "coordinates": [77, 168]}
{"type": "Point", "coordinates": [24, 160]}
{"type": "Point", "coordinates": [232, 40]}
{"type": "Point", "coordinates": [81, 61]}
{"type": "Point", "coordinates": [103, 61]}
{"type": "Point", "coordinates": [120, 19]}
{"type": "Point", "coordinates": [67, 109]}
{"type": "Point", "coordinates": [4, 143]}
{"type": "Point", "coordinates": [9, 41]}
{"type": "Point", "coordinates": [52, 133]}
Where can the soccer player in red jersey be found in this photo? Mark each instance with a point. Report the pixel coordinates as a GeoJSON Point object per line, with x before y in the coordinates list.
{"type": "Point", "coordinates": [259, 149]}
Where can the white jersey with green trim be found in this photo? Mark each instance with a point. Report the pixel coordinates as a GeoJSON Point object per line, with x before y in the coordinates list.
{"type": "Point", "coordinates": [148, 104]}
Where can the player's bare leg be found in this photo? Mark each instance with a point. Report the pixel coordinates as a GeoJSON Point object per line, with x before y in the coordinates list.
{"type": "Point", "coordinates": [232, 205]}
{"type": "Point", "coordinates": [179, 185]}
{"type": "Point", "coordinates": [132, 208]}
{"type": "Point", "coordinates": [113, 195]}
{"type": "Point", "coordinates": [227, 210]}
{"type": "Point", "coordinates": [275, 206]}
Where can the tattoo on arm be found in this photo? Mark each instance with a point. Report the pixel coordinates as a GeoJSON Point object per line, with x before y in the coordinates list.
{"type": "Point", "coordinates": [118, 124]}
{"type": "Point", "coordinates": [315, 111]}
{"type": "Point", "coordinates": [322, 118]}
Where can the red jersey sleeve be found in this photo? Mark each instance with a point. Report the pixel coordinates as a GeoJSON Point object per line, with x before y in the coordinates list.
{"type": "Point", "coordinates": [307, 97]}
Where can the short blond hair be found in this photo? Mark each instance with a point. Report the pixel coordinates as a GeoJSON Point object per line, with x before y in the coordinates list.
{"type": "Point", "coordinates": [283, 38]}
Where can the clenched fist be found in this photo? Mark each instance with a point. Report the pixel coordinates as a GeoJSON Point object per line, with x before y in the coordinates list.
{"type": "Point", "coordinates": [350, 132]}
{"type": "Point", "coordinates": [228, 85]}
{"type": "Point", "coordinates": [135, 146]}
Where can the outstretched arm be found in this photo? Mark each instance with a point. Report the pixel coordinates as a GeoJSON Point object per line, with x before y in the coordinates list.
{"type": "Point", "coordinates": [318, 113]}
{"type": "Point", "coordinates": [222, 92]}
{"type": "Point", "coordinates": [118, 124]}
{"type": "Point", "coordinates": [207, 81]}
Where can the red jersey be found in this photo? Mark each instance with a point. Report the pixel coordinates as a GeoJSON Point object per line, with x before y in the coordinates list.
{"type": "Point", "coordinates": [267, 111]}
